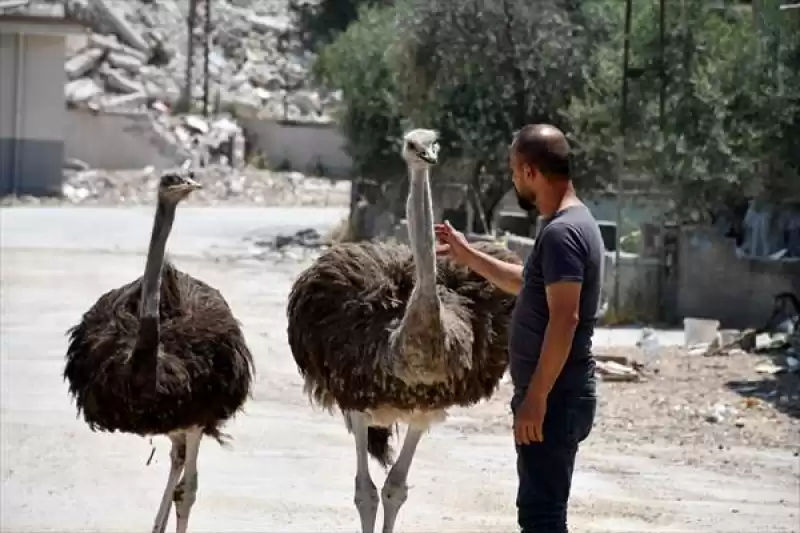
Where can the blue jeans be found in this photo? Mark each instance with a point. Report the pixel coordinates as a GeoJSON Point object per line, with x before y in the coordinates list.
{"type": "Point", "coordinates": [545, 468]}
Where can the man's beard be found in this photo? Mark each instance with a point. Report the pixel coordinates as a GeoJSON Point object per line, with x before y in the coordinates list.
{"type": "Point", "coordinates": [524, 203]}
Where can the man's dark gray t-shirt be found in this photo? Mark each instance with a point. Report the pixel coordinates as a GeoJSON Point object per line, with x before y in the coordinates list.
{"type": "Point", "coordinates": [568, 248]}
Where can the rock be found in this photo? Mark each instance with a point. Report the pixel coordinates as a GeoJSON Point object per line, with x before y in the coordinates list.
{"type": "Point", "coordinates": [124, 61]}
{"type": "Point", "coordinates": [267, 24]}
{"type": "Point", "coordinates": [769, 368]}
{"type": "Point", "coordinates": [613, 371]}
{"type": "Point", "coordinates": [256, 62]}
{"type": "Point", "coordinates": [118, 82]}
{"type": "Point", "coordinates": [75, 164]}
{"type": "Point", "coordinates": [127, 101]}
{"type": "Point", "coordinates": [81, 90]}
{"type": "Point", "coordinates": [123, 28]}
{"type": "Point", "coordinates": [91, 186]}
{"type": "Point", "coordinates": [196, 123]}
{"type": "Point", "coordinates": [84, 62]}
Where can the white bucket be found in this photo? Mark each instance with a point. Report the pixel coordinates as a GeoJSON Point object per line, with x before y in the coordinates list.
{"type": "Point", "coordinates": [699, 331]}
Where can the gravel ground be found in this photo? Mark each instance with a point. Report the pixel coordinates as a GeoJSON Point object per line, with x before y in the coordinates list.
{"type": "Point", "coordinates": [704, 410]}
{"type": "Point", "coordinates": [648, 466]}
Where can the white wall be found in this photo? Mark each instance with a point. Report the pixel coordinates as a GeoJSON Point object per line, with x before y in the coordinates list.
{"type": "Point", "coordinates": [303, 147]}
{"type": "Point", "coordinates": [117, 141]}
{"type": "Point", "coordinates": [129, 140]}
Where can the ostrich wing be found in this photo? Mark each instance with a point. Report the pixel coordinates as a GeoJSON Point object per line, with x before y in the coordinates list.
{"type": "Point", "coordinates": [341, 312]}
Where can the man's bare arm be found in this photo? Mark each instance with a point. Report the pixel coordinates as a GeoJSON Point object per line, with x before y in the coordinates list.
{"type": "Point", "coordinates": [563, 301]}
{"type": "Point", "coordinates": [506, 276]}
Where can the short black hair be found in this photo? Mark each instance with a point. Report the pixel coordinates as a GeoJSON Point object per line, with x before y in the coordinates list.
{"type": "Point", "coordinates": [545, 147]}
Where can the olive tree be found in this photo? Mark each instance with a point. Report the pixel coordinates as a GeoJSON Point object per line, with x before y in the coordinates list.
{"type": "Point", "coordinates": [478, 70]}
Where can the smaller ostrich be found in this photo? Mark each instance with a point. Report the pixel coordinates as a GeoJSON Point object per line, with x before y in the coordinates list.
{"type": "Point", "coordinates": [162, 355]}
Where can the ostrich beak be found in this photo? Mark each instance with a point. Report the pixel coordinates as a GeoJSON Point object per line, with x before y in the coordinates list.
{"type": "Point", "coordinates": [428, 157]}
{"type": "Point", "coordinates": [192, 185]}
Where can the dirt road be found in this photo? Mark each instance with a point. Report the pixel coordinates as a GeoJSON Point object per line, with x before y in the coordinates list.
{"type": "Point", "coordinates": [291, 467]}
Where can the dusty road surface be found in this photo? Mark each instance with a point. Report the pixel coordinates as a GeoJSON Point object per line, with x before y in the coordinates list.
{"type": "Point", "coordinates": [291, 467]}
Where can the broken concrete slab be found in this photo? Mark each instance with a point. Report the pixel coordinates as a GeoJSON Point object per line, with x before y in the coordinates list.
{"type": "Point", "coordinates": [81, 90]}
{"type": "Point", "coordinates": [84, 62]}
{"type": "Point", "coordinates": [123, 28]}
{"type": "Point", "coordinates": [107, 102]}
{"type": "Point", "coordinates": [127, 62]}
{"type": "Point", "coordinates": [613, 371]}
{"type": "Point", "coordinates": [117, 81]}
{"type": "Point", "coordinates": [111, 43]}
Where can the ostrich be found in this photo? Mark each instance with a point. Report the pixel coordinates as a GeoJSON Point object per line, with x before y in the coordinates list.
{"type": "Point", "coordinates": [162, 355]}
{"type": "Point", "coordinates": [391, 334]}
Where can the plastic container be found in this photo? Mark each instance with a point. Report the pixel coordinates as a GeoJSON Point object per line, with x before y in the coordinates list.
{"type": "Point", "coordinates": [699, 331]}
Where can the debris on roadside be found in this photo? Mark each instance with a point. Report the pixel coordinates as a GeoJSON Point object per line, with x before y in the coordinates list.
{"type": "Point", "coordinates": [135, 56]}
{"type": "Point", "coordinates": [220, 184]}
{"type": "Point", "coordinates": [613, 371]}
{"type": "Point", "coordinates": [305, 238]}
{"type": "Point", "coordinates": [612, 367]}
{"type": "Point", "coordinates": [719, 412]}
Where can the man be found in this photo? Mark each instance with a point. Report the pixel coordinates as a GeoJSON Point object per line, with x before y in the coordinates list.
{"type": "Point", "coordinates": [558, 296]}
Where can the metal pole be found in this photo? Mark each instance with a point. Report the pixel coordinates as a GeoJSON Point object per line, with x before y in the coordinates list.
{"type": "Point", "coordinates": [663, 70]}
{"type": "Point", "coordinates": [623, 123]}
{"type": "Point", "coordinates": [206, 51]}
{"type": "Point", "coordinates": [187, 88]}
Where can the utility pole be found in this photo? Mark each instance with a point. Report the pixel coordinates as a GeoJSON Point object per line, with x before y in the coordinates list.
{"type": "Point", "coordinates": [206, 51]}
{"type": "Point", "coordinates": [662, 96]}
{"type": "Point", "coordinates": [199, 17]}
{"type": "Point", "coordinates": [623, 126]}
{"type": "Point", "coordinates": [191, 20]}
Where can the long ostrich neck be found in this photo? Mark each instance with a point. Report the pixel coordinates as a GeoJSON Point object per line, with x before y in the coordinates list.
{"type": "Point", "coordinates": [420, 225]}
{"type": "Point", "coordinates": [151, 280]}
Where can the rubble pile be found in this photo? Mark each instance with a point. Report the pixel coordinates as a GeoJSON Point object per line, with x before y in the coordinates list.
{"type": "Point", "coordinates": [136, 57]}
{"type": "Point", "coordinates": [220, 184]}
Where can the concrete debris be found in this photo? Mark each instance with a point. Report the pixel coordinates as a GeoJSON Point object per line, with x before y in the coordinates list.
{"type": "Point", "coordinates": [610, 370]}
{"type": "Point", "coordinates": [257, 65]}
{"type": "Point", "coordinates": [82, 90]}
{"type": "Point", "coordinates": [220, 184]}
{"type": "Point", "coordinates": [719, 412]}
{"type": "Point", "coordinates": [83, 63]}
{"type": "Point", "coordinates": [287, 247]}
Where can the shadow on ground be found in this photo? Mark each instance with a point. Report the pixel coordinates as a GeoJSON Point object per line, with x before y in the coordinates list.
{"type": "Point", "coordinates": [780, 385]}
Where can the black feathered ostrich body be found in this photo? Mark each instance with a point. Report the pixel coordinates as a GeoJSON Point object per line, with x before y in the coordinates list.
{"type": "Point", "coordinates": [161, 355]}
{"type": "Point", "coordinates": [390, 334]}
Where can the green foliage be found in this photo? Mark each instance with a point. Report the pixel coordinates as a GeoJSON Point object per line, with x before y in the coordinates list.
{"type": "Point", "coordinates": [478, 70]}
{"type": "Point", "coordinates": [319, 23]}
{"type": "Point", "coordinates": [724, 115]}
{"type": "Point", "coordinates": [358, 64]}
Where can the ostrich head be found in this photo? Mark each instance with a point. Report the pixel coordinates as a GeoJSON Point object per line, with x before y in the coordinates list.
{"type": "Point", "coordinates": [174, 187]}
{"type": "Point", "coordinates": [421, 148]}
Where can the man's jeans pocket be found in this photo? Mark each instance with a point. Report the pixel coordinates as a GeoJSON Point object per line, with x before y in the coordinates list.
{"type": "Point", "coordinates": [580, 418]}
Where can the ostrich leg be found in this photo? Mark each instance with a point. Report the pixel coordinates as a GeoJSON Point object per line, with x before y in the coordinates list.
{"type": "Point", "coordinates": [186, 491]}
{"type": "Point", "coordinates": [395, 489]}
{"type": "Point", "coordinates": [366, 493]}
{"type": "Point", "coordinates": [177, 456]}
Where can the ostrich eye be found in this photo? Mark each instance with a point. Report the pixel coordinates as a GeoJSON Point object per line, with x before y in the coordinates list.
{"type": "Point", "coordinates": [170, 180]}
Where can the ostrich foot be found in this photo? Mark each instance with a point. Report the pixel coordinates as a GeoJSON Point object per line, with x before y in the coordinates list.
{"type": "Point", "coordinates": [177, 457]}
{"type": "Point", "coordinates": [395, 490]}
{"type": "Point", "coordinates": [366, 494]}
{"type": "Point", "coordinates": [186, 492]}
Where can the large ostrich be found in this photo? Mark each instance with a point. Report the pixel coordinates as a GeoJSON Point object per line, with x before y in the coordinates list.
{"type": "Point", "coordinates": [391, 335]}
{"type": "Point", "coordinates": [162, 355]}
